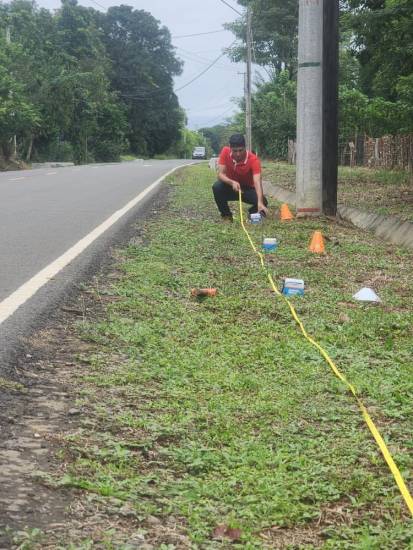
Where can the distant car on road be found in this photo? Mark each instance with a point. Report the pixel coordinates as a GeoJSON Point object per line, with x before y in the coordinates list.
{"type": "Point", "coordinates": [199, 153]}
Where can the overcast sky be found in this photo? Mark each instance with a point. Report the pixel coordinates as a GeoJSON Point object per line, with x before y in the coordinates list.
{"type": "Point", "coordinates": [208, 100]}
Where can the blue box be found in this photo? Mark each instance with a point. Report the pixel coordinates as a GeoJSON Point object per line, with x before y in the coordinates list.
{"type": "Point", "coordinates": [255, 218]}
{"type": "Point", "coordinates": [269, 245]}
{"type": "Point", "coordinates": [293, 287]}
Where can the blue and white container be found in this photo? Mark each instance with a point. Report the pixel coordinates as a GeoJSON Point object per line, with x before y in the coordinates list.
{"type": "Point", "coordinates": [269, 245]}
{"type": "Point", "coordinates": [255, 218]}
{"type": "Point", "coordinates": [293, 287]}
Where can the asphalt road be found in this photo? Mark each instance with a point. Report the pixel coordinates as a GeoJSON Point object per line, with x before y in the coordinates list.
{"type": "Point", "coordinates": [45, 212]}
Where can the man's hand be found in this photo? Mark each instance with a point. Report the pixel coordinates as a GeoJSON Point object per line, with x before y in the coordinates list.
{"type": "Point", "coordinates": [235, 186]}
{"type": "Point", "coordinates": [262, 208]}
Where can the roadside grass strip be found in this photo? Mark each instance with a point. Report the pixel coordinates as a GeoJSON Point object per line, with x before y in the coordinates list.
{"type": "Point", "coordinates": [216, 416]}
{"type": "Point", "coordinates": [385, 192]}
{"type": "Point", "coordinates": [372, 427]}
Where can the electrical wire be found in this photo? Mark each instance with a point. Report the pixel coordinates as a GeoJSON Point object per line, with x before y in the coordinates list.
{"type": "Point", "coordinates": [194, 57]}
{"type": "Point", "coordinates": [198, 34]}
{"type": "Point", "coordinates": [210, 108]}
{"type": "Point", "coordinates": [204, 71]}
{"type": "Point", "coordinates": [232, 7]}
{"type": "Point", "coordinates": [218, 117]}
{"type": "Point", "coordinates": [147, 96]}
{"type": "Point", "coordinates": [97, 3]}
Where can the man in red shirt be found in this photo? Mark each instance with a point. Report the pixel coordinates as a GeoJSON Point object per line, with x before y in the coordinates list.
{"type": "Point", "coordinates": [239, 169]}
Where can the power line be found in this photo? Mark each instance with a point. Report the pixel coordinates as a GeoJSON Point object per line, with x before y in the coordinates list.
{"type": "Point", "coordinates": [97, 3]}
{"type": "Point", "coordinates": [198, 34]}
{"type": "Point", "coordinates": [194, 57]}
{"type": "Point", "coordinates": [204, 71]}
{"type": "Point", "coordinates": [232, 7]}
{"type": "Point", "coordinates": [213, 108]}
{"type": "Point", "coordinates": [219, 116]}
{"type": "Point", "coordinates": [218, 95]}
{"type": "Point", "coordinates": [160, 90]}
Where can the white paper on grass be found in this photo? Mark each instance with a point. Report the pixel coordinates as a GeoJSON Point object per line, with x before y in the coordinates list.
{"type": "Point", "coordinates": [366, 295]}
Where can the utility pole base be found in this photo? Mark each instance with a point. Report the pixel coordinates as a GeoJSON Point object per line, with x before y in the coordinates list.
{"type": "Point", "coordinates": [308, 212]}
{"type": "Point", "coordinates": [309, 198]}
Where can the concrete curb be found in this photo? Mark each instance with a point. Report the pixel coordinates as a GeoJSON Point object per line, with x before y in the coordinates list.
{"type": "Point", "coordinates": [390, 228]}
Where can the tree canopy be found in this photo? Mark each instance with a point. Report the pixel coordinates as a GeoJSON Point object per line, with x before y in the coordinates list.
{"type": "Point", "coordinates": [376, 69]}
{"type": "Point", "coordinates": [81, 84]}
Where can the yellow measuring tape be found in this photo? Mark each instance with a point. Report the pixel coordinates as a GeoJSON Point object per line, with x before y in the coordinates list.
{"type": "Point", "coordinates": [372, 427]}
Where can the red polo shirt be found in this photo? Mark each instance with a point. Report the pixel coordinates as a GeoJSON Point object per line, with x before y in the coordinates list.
{"type": "Point", "coordinates": [243, 171]}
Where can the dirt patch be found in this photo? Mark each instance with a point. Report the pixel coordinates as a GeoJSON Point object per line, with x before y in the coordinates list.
{"type": "Point", "coordinates": [7, 165]}
{"type": "Point", "coordinates": [38, 409]}
{"type": "Point", "coordinates": [280, 538]}
{"type": "Point", "coordinates": [34, 455]}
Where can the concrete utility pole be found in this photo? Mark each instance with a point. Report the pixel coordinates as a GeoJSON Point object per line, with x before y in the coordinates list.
{"type": "Point", "coordinates": [317, 107]}
{"type": "Point", "coordinates": [330, 105]}
{"type": "Point", "coordinates": [248, 123]}
{"type": "Point", "coordinates": [309, 108]}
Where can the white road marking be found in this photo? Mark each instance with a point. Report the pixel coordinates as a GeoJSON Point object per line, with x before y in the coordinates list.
{"type": "Point", "coordinates": [10, 304]}
{"type": "Point", "coordinates": [146, 165]}
{"type": "Point", "coordinates": [17, 179]}
{"type": "Point", "coordinates": [50, 173]}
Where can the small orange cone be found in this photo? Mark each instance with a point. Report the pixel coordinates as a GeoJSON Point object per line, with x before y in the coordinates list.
{"type": "Point", "coordinates": [317, 243]}
{"type": "Point", "coordinates": [285, 213]}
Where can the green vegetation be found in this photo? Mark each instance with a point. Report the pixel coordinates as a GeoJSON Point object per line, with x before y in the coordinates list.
{"type": "Point", "coordinates": [187, 142]}
{"type": "Point", "coordinates": [127, 158]}
{"type": "Point", "coordinates": [83, 85]}
{"type": "Point", "coordinates": [10, 385]}
{"type": "Point", "coordinates": [218, 412]}
{"type": "Point", "coordinates": [376, 70]}
{"type": "Point", "coordinates": [386, 192]}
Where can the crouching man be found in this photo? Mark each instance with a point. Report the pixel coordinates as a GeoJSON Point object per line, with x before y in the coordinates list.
{"type": "Point", "coordinates": [239, 169]}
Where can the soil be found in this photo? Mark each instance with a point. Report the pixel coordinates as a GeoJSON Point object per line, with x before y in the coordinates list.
{"type": "Point", "coordinates": [12, 165]}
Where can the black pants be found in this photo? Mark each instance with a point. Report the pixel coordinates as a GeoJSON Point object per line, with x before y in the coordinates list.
{"type": "Point", "coordinates": [224, 193]}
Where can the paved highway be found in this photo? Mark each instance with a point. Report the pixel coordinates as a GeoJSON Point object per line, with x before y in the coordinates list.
{"type": "Point", "coordinates": [57, 214]}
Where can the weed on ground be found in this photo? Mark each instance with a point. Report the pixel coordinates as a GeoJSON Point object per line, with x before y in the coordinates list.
{"type": "Point", "coordinates": [386, 192]}
{"type": "Point", "coordinates": [212, 423]}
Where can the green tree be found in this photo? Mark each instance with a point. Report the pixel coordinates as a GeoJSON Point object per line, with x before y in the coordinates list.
{"type": "Point", "coordinates": [275, 33]}
{"type": "Point", "coordinates": [218, 135]}
{"type": "Point", "coordinates": [274, 121]}
{"type": "Point", "coordinates": [18, 115]}
{"type": "Point", "coordinates": [383, 43]}
{"type": "Point", "coordinates": [83, 76]}
{"type": "Point", "coordinates": [143, 67]}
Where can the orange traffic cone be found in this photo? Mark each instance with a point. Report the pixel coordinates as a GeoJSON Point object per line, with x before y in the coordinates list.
{"type": "Point", "coordinates": [317, 243]}
{"type": "Point", "coordinates": [285, 213]}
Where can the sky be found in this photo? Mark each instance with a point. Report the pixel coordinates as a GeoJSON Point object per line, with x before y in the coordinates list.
{"type": "Point", "coordinates": [209, 99]}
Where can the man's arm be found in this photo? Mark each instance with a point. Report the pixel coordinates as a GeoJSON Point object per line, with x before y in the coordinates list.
{"type": "Point", "coordinates": [223, 177]}
{"type": "Point", "coordinates": [260, 193]}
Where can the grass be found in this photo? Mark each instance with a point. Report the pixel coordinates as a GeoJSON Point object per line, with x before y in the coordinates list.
{"type": "Point", "coordinates": [10, 385]}
{"type": "Point", "coordinates": [386, 192]}
{"type": "Point", "coordinates": [216, 412]}
{"type": "Point", "coordinates": [128, 157]}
